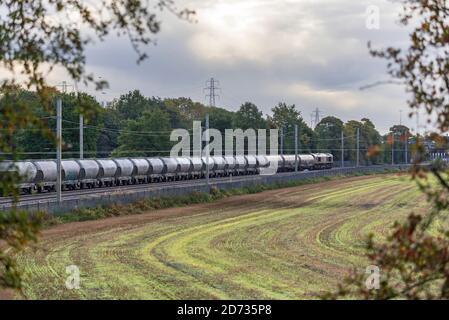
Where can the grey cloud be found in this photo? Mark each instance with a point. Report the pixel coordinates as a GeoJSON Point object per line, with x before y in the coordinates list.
{"type": "Point", "coordinates": [316, 45]}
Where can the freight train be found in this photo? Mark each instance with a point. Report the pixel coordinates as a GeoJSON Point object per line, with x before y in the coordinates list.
{"type": "Point", "coordinates": [41, 175]}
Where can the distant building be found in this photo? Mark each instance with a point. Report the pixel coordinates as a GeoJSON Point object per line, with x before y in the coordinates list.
{"type": "Point", "coordinates": [437, 150]}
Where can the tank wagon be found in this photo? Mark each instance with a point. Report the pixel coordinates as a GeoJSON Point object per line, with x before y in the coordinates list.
{"type": "Point", "coordinates": [141, 167]}
{"type": "Point", "coordinates": [251, 164]}
{"type": "Point", "coordinates": [125, 168]}
{"type": "Point", "coordinates": [208, 162]}
{"type": "Point", "coordinates": [89, 171]}
{"type": "Point", "coordinates": [41, 175]}
{"type": "Point", "coordinates": [26, 170]}
{"type": "Point", "coordinates": [240, 165]}
{"type": "Point", "coordinates": [230, 165]}
{"type": "Point", "coordinates": [170, 169]}
{"type": "Point", "coordinates": [46, 175]}
{"type": "Point", "coordinates": [197, 168]}
{"type": "Point", "coordinates": [220, 166]}
{"type": "Point", "coordinates": [107, 172]}
{"type": "Point", "coordinates": [185, 167]}
{"type": "Point", "coordinates": [262, 162]}
{"type": "Point", "coordinates": [70, 174]}
{"type": "Point", "coordinates": [156, 169]}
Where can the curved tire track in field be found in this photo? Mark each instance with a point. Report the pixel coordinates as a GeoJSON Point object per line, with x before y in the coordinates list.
{"type": "Point", "coordinates": [281, 244]}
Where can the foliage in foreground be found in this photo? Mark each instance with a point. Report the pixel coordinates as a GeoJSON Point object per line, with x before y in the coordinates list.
{"type": "Point", "coordinates": [16, 229]}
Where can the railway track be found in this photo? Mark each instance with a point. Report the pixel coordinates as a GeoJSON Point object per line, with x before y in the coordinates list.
{"type": "Point", "coordinates": [74, 194]}
{"type": "Point", "coordinates": [50, 197]}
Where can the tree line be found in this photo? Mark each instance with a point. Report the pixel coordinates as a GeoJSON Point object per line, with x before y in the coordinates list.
{"type": "Point", "coordinates": [135, 125]}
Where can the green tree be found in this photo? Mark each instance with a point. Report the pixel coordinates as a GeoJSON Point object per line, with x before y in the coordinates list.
{"type": "Point", "coordinates": [32, 143]}
{"type": "Point", "coordinates": [33, 44]}
{"type": "Point", "coordinates": [131, 105]}
{"type": "Point", "coordinates": [221, 119]}
{"type": "Point", "coordinates": [28, 138]}
{"type": "Point", "coordinates": [108, 137]}
{"type": "Point", "coordinates": [328, 136]}
{"type": "Point", "coordinates": [286, 117]}
{"type": "Point", "coordinates": [249, 117]}
{"type": "Point", "coordinates": [396, 138]}
{"type": "Point", "coordinates": [177, 120]}
{"type": "Point", "coordinates": [188, 110]}
{"type": "Point", "coordinates": [147, 136]}
{"type": "Point", "coordinates": [350, 143]}
{"type": "Point", "coordinates": [372, 141]}
{"type": "Point", "coordinates": [369, 143]}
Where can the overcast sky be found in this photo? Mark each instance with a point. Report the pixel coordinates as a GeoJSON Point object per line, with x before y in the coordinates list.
{"type": "Point", "coordinates": [312, 53]}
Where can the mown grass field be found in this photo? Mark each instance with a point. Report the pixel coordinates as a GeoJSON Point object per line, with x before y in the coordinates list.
{"type": "Point", "coordinates": [282, 244]}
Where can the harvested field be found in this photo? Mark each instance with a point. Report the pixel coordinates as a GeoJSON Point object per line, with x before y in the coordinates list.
{"type": "Point", "coordinates": [283, 244]}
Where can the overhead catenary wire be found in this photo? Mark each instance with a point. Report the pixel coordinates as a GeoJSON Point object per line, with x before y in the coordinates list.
{"type": "Point", "coordinates": [161, 133]}
{"type": "Point", "coordinates": [121, 130]}
{"type": "Point", "coordinates": [223, 131]}
{"type": "Point", "coordinates": [305, 150]}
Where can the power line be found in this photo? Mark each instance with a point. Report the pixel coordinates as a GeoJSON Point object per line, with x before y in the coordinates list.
{"type": "Point", "coordinates": [315, 117]}
{"type": "Point", "coordinates": [212, 86]}
{"type": "Point", "coordinates": [64, 86]}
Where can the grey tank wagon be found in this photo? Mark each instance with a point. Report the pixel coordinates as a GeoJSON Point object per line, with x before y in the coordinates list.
{"type": "Point", "coordinates": [40, 175]}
